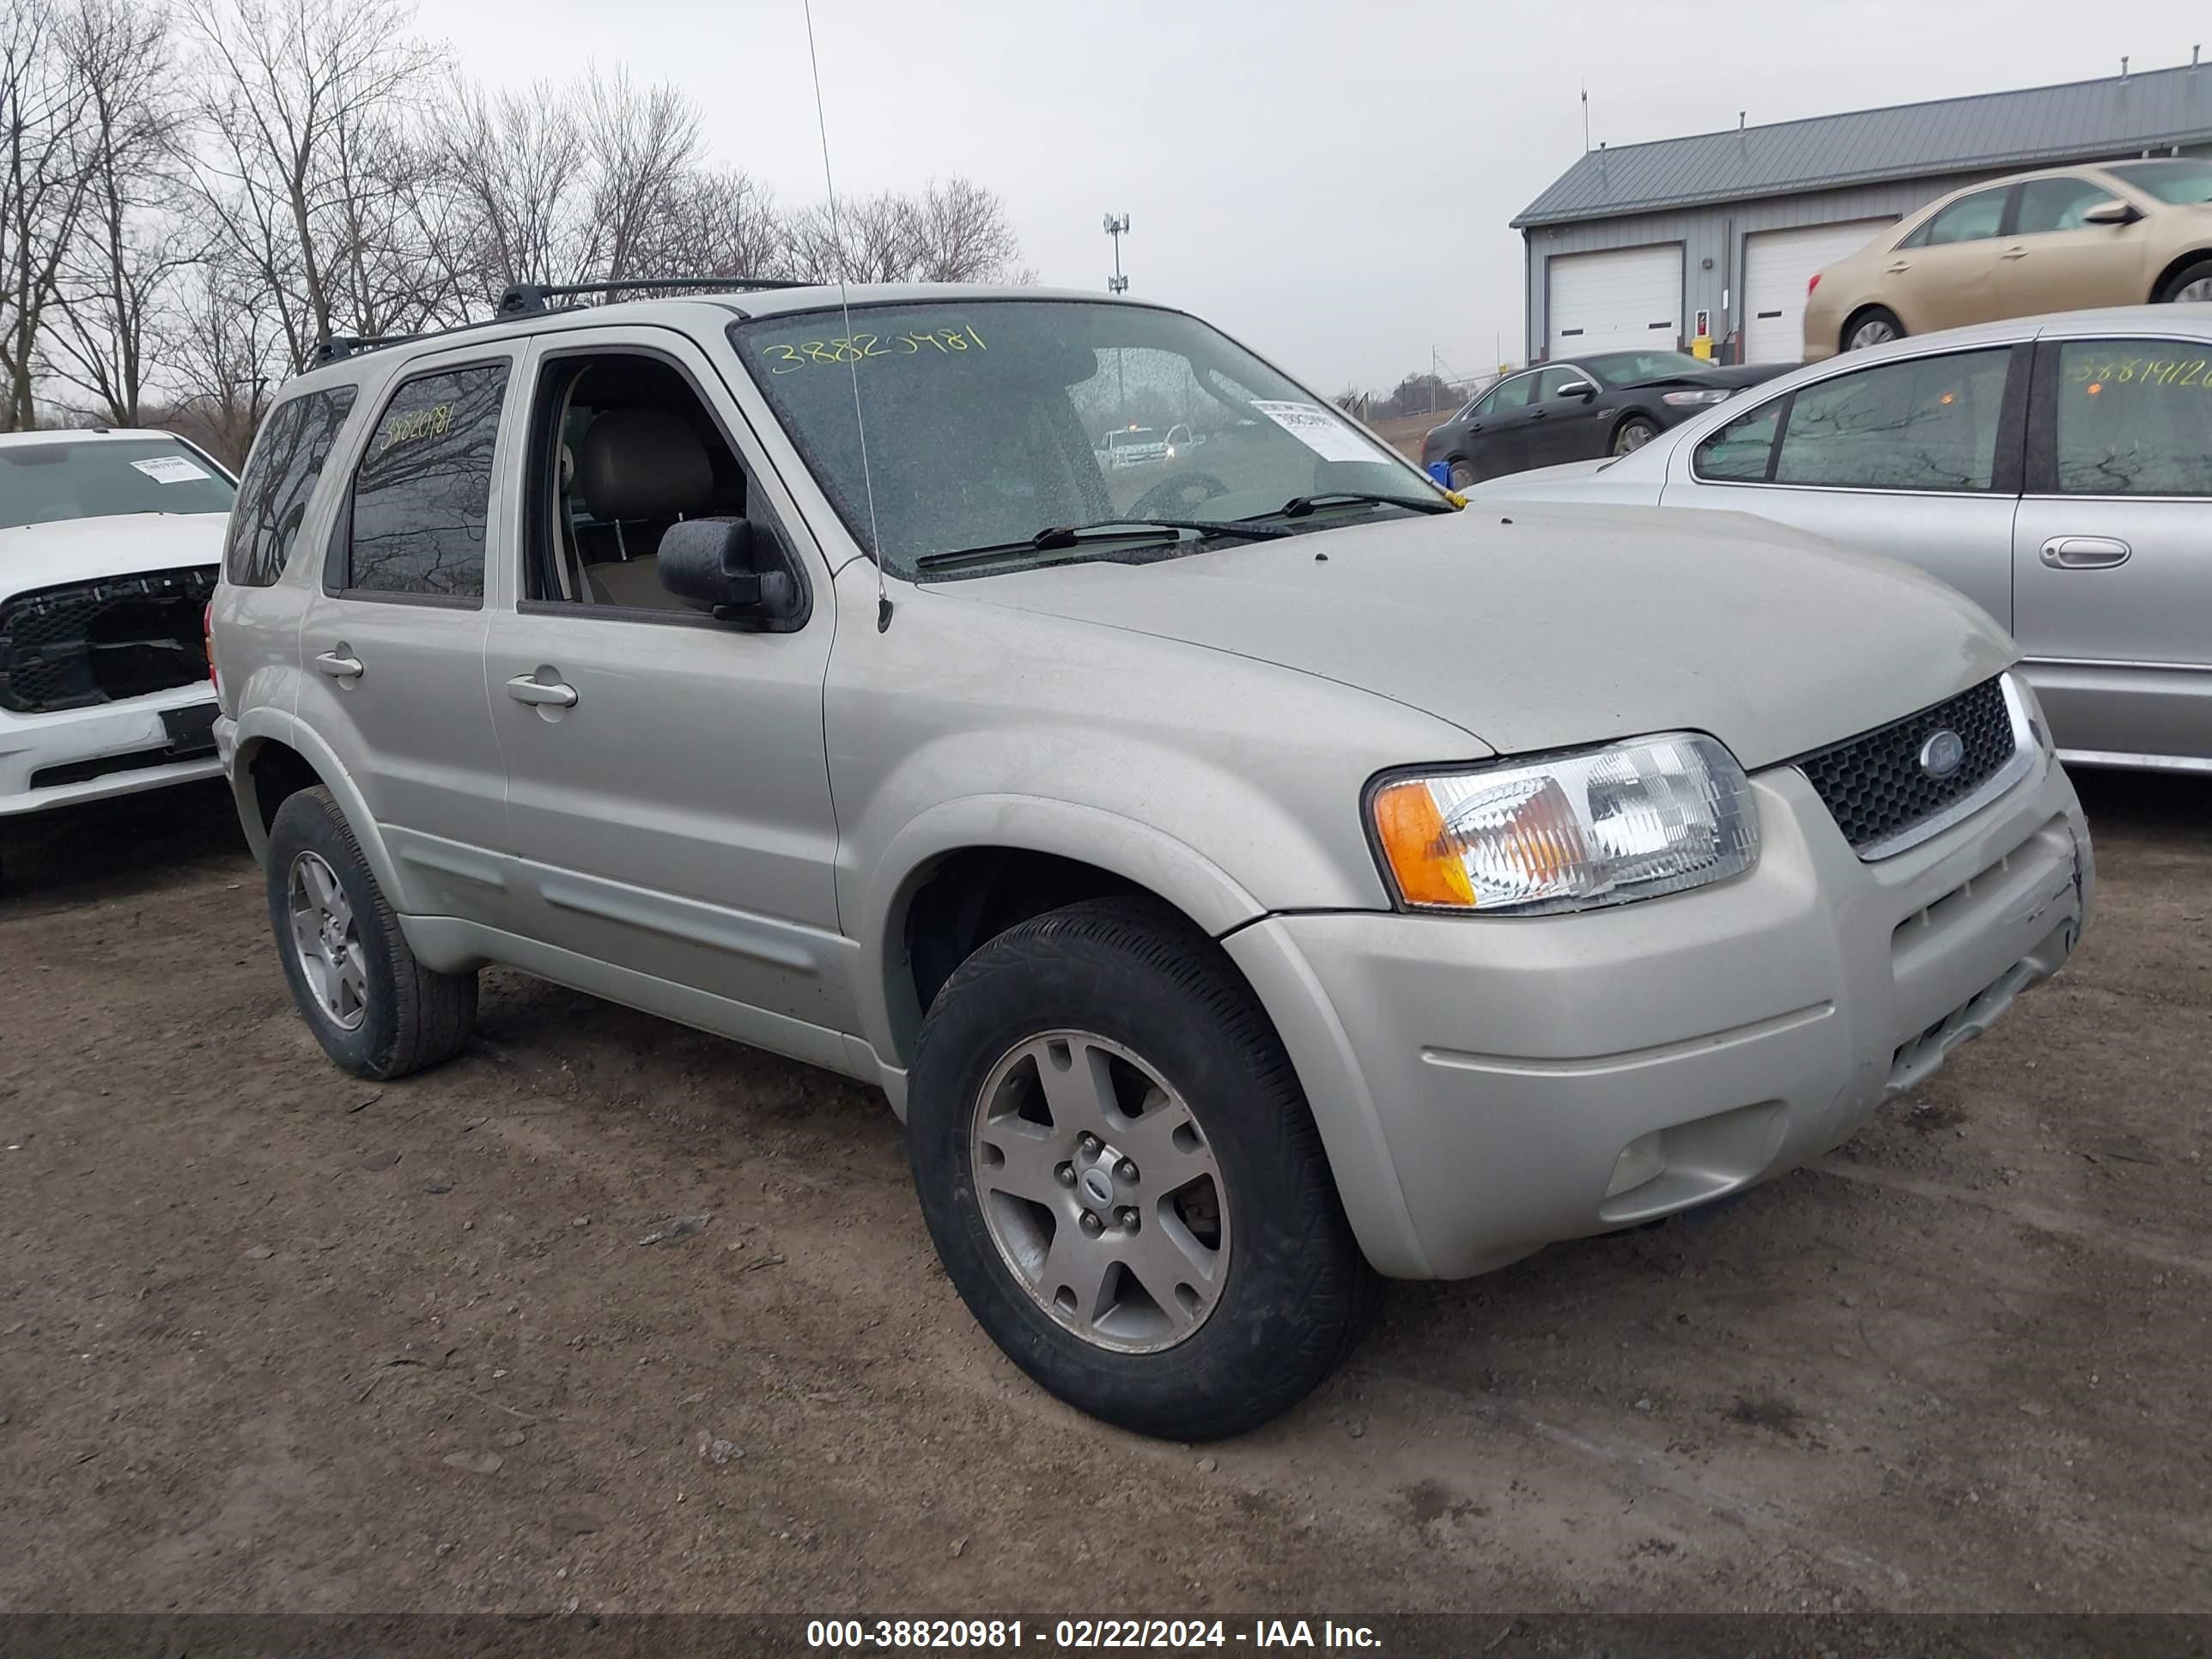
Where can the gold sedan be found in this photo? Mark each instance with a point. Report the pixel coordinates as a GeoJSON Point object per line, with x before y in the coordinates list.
{"type": "Point", "coordinates": [2060, 239]}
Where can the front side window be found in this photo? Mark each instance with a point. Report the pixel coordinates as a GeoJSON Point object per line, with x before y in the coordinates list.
{"type": "Point", "coordinates": [279, 481]}
{"type": "Point", "coordinates": [1553, 381]}
{"type": "Point", "coordinates": [2047, 204]}
{"type": "Point", "coordinates": [1925, 423]}
{"type": "Point", "coordinates": [2183, 183]}
{"type": "Point", "coordinates": [989, 421]}
{"type": "Point", "coordinates": [2134, 417]}
{"type": "Point", "coordinates": [1969, 219]}
{"type": "Point", "coordinates": [422, 492]}
{"type": "Point", "coordinates": [80, 477]}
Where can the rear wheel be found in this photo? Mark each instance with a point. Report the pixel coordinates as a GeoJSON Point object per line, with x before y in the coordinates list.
{"type": "Point", "coordinates": [1633, 433]}
{"type": "Point", "coordinates": [1123, 1179]}
{"type": "Point", "coordinates": [376, 1010]}
{"type": "Point", "coordinates": [1462, 475]}
{"type": "Point", "coordinates": [2191, 285]}
{"type": "Point", "coordinates": [1875, 325]}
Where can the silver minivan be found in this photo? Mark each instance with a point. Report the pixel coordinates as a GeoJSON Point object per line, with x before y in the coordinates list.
{"type": "Point", "coordinates": [2057, 470]}
{"type": "Point", "coordinates": [1249, 875]}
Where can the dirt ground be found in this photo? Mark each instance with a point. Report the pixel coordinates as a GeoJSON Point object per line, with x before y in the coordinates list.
{"type": "Point", "coordinates": [271, 1339]}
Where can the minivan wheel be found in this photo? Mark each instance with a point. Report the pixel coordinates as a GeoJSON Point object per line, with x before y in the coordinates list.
{"type": "Point", "coordinates": [376, 1011]}
{"type": "Point", "coordinates": [1634, 433]}
{"type": "Point", "coordinates": [1872, 327]}
{"type": "Point", "coordinates": [1123, 1178]}
{"type": "Point", "coordinates": [1462, 475]}
{"type": "Point", "coordinates": [2191, 285]}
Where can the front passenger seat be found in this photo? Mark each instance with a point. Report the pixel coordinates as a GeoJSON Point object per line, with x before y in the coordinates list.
{"type": "Point", "coordinates": [641, 469]}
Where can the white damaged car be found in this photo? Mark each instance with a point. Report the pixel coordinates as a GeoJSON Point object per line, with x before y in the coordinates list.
{"type": "Point", "coordinates": [110, 544]}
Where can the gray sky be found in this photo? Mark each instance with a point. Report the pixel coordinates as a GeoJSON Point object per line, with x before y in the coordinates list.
{"type": "Point", "coordinates": [1331, 182]}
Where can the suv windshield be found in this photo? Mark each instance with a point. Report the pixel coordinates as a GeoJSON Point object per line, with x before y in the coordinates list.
{"type": "Point", "coordinates": [2183, 183]}
{"type": "Point", "coordinates": [1620, 369]}
{"type": "Point", "coordinates": [105, 478]}
{"type": "Point", "coordinates": [990, 420]}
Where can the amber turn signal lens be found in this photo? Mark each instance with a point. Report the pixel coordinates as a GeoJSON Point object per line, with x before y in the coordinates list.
{"type": "Point", "coordinates": [1411, 827]}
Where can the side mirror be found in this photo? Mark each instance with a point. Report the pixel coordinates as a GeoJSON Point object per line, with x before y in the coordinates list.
{"type": "Point", "coordinates": [1579, 389]}
{"type": "Point", "coordinates": [733, 568]}
{"type": "Point", "coordinates": [2113, 212]}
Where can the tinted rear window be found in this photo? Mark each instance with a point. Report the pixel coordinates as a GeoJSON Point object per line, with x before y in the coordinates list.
{"type": "Point", "coordinates": [105, 478]}
{"type": "Point", "coordinates": [280, 479]}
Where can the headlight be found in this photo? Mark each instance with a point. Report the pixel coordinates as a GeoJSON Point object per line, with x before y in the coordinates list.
{"type": "Point", "coordinates": [1570, 833]}
{"type": "Point", "coordinates": [1697, 400]}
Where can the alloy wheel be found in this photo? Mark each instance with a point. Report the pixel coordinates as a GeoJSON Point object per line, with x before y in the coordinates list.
{"type": "Point", "coordinates": [1632, 437]}
{"type": "Point", "coordinates": [1872, 332]}
{"type": "Point", "coordinates": [2196, 293]}
{"type": "Point", "coordinates": [327, 941]}
{"type": "Point", "coordinates": [1101, 1191]}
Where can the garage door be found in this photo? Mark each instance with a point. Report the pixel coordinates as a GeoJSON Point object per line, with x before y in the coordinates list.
{"type": "Point", "coordinates": [1777, 266]}
{"type": "Point", "coordinates": [1612, 302]}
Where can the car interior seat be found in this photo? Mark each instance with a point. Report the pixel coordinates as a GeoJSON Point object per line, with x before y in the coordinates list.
{"type": "Point", "coordinates": [640, 470]}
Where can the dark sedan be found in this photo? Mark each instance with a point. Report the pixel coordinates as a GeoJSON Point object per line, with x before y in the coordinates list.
{"type": "Point", "coordinates": [1606, 404]}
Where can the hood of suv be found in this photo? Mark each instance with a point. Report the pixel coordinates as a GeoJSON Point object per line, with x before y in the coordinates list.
{"type": "Point", "coordinates": [83, 549]}
{"type": "Point", "coordinates": [1549, 628]}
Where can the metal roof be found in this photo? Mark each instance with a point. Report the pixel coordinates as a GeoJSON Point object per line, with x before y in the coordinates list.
{"type": "Point", "coordinates": [2080, 121]}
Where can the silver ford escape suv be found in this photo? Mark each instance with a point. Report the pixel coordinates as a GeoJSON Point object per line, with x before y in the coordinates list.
{"type": "Point", "coordinates": [1249, 875]}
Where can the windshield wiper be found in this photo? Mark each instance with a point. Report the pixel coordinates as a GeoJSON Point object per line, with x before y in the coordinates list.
{"type": "Point", "coordinates": [1299, 506]}
{"type": "Point", "coordinates": [1055, 538]}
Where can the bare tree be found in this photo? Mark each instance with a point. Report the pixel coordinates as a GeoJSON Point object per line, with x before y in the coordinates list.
{"type": "Point", "coordinates": [956, 232]}
{"type": "Point", "coordinates": [43, 179]}
{"type": "Point", "coordinates": [513, 174]}
{"type": "Point", "coordinates": [641, 145]}
{"type": "Point", "coordinates": [224, 351]}
{"type": "Point", "coordinates": [131, 241]}
{"type": "Point", "coordinates": [304, 164]}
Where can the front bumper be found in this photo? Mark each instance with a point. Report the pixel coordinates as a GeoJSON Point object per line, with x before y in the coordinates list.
{"type": "Point", "coordinates": [105, 750]}
{"type": "Point", "coordinates": [1488, 1086]}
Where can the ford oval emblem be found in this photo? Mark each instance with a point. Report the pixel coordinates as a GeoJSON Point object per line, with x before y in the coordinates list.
{"type": "Point", "coordinates": [1942, 754]}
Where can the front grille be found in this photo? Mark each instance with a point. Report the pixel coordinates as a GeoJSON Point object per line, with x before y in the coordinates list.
{"type": "Point", "coordinates": [97, 642]}
{"type": "Point", "coordinates": [1874, 784]}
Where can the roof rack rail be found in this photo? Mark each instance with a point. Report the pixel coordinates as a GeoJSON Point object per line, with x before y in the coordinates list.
{"type": "Point", "coordinates": [522, 298]}
{"type": "Point", "coordinates": [339, 347]}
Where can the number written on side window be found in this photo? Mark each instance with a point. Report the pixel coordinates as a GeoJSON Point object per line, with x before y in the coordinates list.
{"type": "Point", "coordinates": [280, 479]}
{"type": "Point", "coordinates": [423, 490]}
{"type": "Point", "coordinates": [2134, 418]}
{"type": "Point", "coordinates": [1925, 423]}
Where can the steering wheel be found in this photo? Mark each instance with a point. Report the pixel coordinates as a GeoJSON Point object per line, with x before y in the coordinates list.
{"type": "Point", "coordinates": [1173, 497]}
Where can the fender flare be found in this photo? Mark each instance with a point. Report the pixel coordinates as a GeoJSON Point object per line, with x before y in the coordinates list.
{"type": "Point", "coordinates": [264, 725]}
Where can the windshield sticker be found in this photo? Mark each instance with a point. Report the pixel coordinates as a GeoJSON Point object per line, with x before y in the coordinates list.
{"type": "Point", "coordinates": [170, 468]}
{"type": "Point", "coordinates": [1317, 429]}
{"type": "Point", "coordinates": [862, 347]}
{"type": "Point", "coordinates": [2162, 372]}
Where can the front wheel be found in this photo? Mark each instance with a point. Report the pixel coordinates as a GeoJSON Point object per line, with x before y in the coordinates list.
{"type": "Point", "coordinates": [1123, 1178]}
{"type": "Point", "coordinates": [2191, 285]}
{"type": "Point", "coordinates": [1633, 434]}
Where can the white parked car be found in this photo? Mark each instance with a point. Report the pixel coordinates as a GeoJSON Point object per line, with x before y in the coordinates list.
{"type": "Point", "coordinates": [110, 544]}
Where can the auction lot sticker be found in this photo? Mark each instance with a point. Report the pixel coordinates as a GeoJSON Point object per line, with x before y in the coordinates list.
{"type": "Point", "coordinates": [1318, 430]}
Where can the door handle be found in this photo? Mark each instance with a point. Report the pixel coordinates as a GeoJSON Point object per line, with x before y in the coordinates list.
{"type": "Point", "coordinates": [2013, 254]}
{"type": "Point", "coordinates": [340, 666]}
{"type": "Point", "coordinates": [1474, 425]}
{"type": "Point", "coordinates": [523, 687]}
{"type": "Point", "coordinates": [1900, 267]}
{"type": "Point", "coordinates": [2085, 552]}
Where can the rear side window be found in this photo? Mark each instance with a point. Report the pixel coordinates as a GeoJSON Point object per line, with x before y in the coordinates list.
{"type": "Point", "coordinates": [1969, 219]}
{"type": "Point", "coordinates": [279, 480]}
{"type": "Point", "coordinates": [2134, 417]}
{"type": "Point", "coordinates": [422, 491]}
{"type": "Point", "coordinates": [1740, 451]}
{"type": "Point", "coordinates": [1925, 423]}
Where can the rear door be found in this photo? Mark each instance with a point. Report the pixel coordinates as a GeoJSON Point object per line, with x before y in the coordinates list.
{"type": "Point", "coordinates": [1947, 274]}
{"type": "Point", "coordinates": [1914, 458]}
{"type": "Point", "coordinates": [393, 635]}
{"type": "Point", "coordinates": [2112, 550]}
{"type": "Point", "coordinates": [1497, 430]}
{"type": "Point", "coordinates": [2052, 261]}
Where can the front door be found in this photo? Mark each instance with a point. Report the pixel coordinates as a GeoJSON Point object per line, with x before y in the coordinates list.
{"type": "Point", "coordinates": [2052, 261]}
{"type": "Point", "coordinates": [667, 785]}
{"type": "Point", "coordinates": [2112, 553]}
{"type": "Point", "coordinates": [393, 637]}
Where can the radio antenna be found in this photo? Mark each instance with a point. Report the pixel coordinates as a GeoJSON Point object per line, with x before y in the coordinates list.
{"type": "Point", "coordinates": [845, 305]}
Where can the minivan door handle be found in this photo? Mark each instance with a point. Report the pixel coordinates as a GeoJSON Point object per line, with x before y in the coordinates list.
{"type": "Point", "coordinates": [526, 688]}
{"type": "Point", "coordinates": [340, 666]}
{"type": "Point", "coordinates": [2084, 552]}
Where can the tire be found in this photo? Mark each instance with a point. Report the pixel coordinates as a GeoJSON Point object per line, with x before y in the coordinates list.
{"type": "Point", "coordinates": [2177, 289]}
{"type": "Point", "coordinates": [1632, 435]}
{"type": "Point", "coordinates": [392, 1015]}
{"type": "Point", "coordinates": [1126, 993]}
{"type": "Point", "coordinates": [1875, 325]}
{"type": "Point", "coordinates": [1462, 475]}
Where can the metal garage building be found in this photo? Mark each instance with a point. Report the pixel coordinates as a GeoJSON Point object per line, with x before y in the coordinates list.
{"type": "Point", "coordinates": [1629, 244]}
